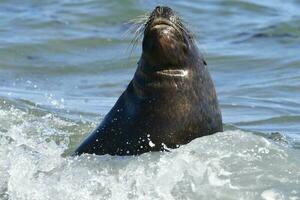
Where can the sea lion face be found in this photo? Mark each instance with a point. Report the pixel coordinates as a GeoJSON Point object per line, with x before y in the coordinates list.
{"type": "Point", "coordinates": [167, 43]}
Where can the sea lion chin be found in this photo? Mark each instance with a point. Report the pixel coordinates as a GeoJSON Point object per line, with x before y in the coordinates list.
{"type": "Point", "coordinates": [170, 101]}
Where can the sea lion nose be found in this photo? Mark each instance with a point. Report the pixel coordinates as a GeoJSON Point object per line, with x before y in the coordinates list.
{"type": "Point", "coordinates": [163, 11]}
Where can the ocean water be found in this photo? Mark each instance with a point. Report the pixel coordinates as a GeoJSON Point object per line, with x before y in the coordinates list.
{"type": "Point", "coordinates": [64, 63]}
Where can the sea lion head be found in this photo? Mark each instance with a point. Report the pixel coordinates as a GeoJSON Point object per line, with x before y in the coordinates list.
{"type": "Point", "coordinates": [167, 43]}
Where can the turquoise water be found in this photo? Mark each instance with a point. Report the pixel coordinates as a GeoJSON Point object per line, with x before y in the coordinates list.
{"type": "Point", "coordinates": [63, 64]}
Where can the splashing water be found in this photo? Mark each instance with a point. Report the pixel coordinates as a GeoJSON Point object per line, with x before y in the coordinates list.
{"type": "Point", "coordinates": [232, 164]}
{"type": "Point", "coordinates": [64, 63]}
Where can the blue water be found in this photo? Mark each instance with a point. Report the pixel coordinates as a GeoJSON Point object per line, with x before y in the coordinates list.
{"type": "Point", "coordinates": [63, 64]}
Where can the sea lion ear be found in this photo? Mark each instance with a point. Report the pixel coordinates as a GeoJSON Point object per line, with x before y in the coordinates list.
{"type": "Point", "coordinates": [204, 62]}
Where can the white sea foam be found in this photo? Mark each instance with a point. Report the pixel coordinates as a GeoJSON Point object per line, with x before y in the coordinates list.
{"type": "Point", "coordinates": [229, 165]}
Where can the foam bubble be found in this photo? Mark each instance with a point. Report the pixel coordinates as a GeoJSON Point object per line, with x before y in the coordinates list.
{"type": "Point", "coordinates": [232, 164]}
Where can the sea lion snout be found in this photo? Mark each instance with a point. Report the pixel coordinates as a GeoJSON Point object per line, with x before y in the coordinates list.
{"type": "Point", "coordinates": [162, 15]}
{"type": "Point", "coordinates": [164, 40]}
{"type": "Point", "coordinates": [163, 12]}
{"type": "Point", "coordinates": [160, 37]}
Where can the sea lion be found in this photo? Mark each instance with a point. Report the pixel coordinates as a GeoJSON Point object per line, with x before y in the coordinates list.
{"type": "Point", "coordinates": [170, 101]}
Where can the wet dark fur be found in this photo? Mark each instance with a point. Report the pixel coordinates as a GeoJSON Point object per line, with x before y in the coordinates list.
{"type": "Point", "coordinates": [159, 110]}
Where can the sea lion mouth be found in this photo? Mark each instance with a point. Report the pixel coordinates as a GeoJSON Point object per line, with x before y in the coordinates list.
{"type": "Point", "coordinates": [162, 23]}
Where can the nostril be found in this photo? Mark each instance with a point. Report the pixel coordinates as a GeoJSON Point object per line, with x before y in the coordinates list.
{"type": "Point", "coordinates": [158, 10]}
{"type": "Point", "coordinates": [163, 10]}
{"type": "Point", "coordinates": [166, 9]}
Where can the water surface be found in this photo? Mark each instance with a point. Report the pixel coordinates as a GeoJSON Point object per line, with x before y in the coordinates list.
{"type": "Point", "coordinates": [63, 64]}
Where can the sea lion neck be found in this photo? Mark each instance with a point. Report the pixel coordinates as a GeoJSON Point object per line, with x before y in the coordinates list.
{"type": "Point", "coordinates": [156, 62]}
{"type": "Point", "coordinates": [153, 68]}
{"type": "Point", "coordinates": [149, 65]}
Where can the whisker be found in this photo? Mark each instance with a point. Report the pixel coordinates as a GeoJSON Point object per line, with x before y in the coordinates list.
{"type": "Point", "coordinates": [137, 28]}
{"type": "Point", "coordinates": [140, 23]}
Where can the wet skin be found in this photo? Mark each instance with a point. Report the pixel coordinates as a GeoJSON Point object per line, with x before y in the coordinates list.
{"type": "Point", "coordinates": [170, 101]}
